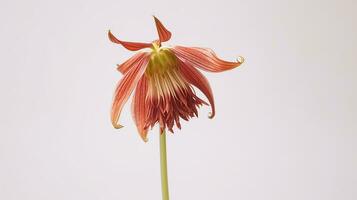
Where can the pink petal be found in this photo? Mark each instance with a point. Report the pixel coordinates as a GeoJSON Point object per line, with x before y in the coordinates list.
{"type": "Point", "coordinates": [164, 34]}
{"type": "Point", "coordinates": [204, 59]}
{"type": "Point", "coordinates": [125, 88]}
{"type": "Point", "coordinates": [139, 107]}
{"type": "Point", "coordinates": [196, 78]}
{"type": "Point", "coordinates": [132, 46]}
{"type": "Point", "coordinates": [127, 65]}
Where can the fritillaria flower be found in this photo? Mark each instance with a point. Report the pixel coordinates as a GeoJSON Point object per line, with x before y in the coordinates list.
{"type": "Point", "coordinates": [163, 80]}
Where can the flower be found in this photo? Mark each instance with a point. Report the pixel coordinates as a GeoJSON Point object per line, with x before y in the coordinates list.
{"type": "Point", "coordinates": [163, 78]}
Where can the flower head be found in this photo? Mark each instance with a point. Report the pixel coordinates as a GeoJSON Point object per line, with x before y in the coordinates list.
{"type": "Point", "coordinates": [162, 79]}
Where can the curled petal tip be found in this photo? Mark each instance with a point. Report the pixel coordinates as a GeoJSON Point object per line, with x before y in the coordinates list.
{"type": "Point", "coordinates": [117, 126]}
{"type": "Point", "coordinates": [210, 115]}
{"type": "Point", "coordinates": [240, 59]}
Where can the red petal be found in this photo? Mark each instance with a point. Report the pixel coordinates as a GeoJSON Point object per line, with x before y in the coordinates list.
{"type": "Point", "coordinates": [196, 78]}
{"type": "Point", "coordinates": [139, 107]}
{"type": "Point", "coordinates": [164, 34]}
{"type": "Point", "coordinates": [127, 65]}
{"type": "Point", "coordinates": [132, 46]}
{"type": "Point", "coordinates": [204, 59]}
{"type": "Point", "coordinates": [125, 88]}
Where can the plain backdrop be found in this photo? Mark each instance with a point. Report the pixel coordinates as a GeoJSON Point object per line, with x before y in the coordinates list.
{"type": "Point", "coordinates": [285, 127]}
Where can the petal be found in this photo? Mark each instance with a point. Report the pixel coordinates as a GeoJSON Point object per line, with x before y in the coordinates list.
{"type": "Point", "coordinates": [204, 59]}
{"type": "Point", "coordinates": [132, 46]}
{"type": "Point", "coordinates": [127, 65]}
{"type": "Point", "coordinates": [139, 107]}
{"type": "Point", "coordinates": [196, 78]}
{"type": "Point", "coordinates": [164, 34]}
{"type": "Point", "coordinates": [125, 88]}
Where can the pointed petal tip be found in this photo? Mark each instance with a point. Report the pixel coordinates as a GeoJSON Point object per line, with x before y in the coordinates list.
{"type": "Point", "coordinates": [144, 138]}
{"type": "Point", "coordinates": [155, 18]}
{"type": "Point", "coordinates": [118, 67]}
{"type": "Point", "coordinates": [164, 34]}
{"type": "Point", "coordinates": [111, 37]}
{"type": "Point", "coordinates": [132, 46]}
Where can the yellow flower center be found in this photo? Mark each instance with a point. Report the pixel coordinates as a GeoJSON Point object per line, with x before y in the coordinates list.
{"type": "Point", "coordinates": [163, 73]}
{"type": "Point", "coordinates": [161, 60]}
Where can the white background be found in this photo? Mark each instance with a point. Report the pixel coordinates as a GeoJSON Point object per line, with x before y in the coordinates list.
{"type": "Point", "coordinates": [285, 127]}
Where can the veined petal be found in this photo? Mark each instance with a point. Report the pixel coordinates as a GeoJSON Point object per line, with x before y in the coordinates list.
{"type": "Point", "coordinates": [127, 65]}
{"type": "Point", "coordinates": [204, 59]}
{"type": "Point", "coordinates": [196, 78]}
{"type": "Point", "coordinates": [164, 34]}
{"type": "Point", "coordinates": [125, 88]}
{"type": "Point", "coordinates": [132, 46]}
{"type": "Point", "coordinates": [140, 108]}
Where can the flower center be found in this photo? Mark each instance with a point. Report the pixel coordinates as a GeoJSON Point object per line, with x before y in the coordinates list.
{"type": "Point", "coordinates": [163, 74]}
{"type": "Point", "coordinates": [169, 96]}
{"type": "Point", "coordinates": [161, 60]}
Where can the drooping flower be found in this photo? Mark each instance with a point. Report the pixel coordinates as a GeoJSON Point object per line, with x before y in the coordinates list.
{"type": "Point", "coordinates": [162, 79]}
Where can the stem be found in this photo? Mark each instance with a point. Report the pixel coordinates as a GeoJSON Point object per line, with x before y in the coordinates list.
{"type": "Point", "coordinates": [163, 164]}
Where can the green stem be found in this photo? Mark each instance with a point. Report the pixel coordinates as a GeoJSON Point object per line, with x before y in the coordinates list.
{"type": "Point", "coordinates": [163, 164]}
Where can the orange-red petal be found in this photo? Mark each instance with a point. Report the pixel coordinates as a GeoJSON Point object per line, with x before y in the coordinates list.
{"type": "Point", "coordinates": [196, 78]}
{"type": "Point", "coordinates": [127, 65]}
{"type": "Point", "coordinates": [132, 46]}
{"type": "Point", "coordinates": [164, 34]}
{"type": "Point", "coordinates": [139, 107]}
{"type": "Point", "coordinates": [204, 59]}
{"type": "Point", "coordinates": [125, 88]}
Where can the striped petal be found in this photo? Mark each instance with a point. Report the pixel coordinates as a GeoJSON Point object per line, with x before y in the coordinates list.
{"type": "Point", "coordinates": [132, 46]}
{"type": "Point", "coordinates": [125, 88]}
{"type": "Point", "coordinates": [127, 65]}
{"type": "Point", "coordinates": [196, 78]}
{"type": "Point", "coordinates": [164, 34]}
{"type": "Point", "coordinates": [204, 59]}
{"type": "Point", "coordinates": [139, 107]}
